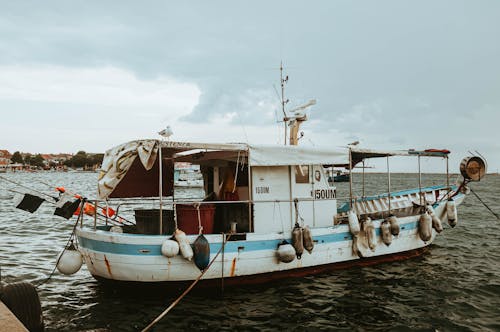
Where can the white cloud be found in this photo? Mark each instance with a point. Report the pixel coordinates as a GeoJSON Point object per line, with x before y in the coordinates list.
{"type": "Point", "coordinates": [108, 86]}
{"type": "Point", "coordinates": [69, 109]}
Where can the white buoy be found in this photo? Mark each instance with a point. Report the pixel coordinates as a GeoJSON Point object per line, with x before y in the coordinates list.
{"type": "Point", "coordinates": [169, 248]}
{"type": "Point", "coordinates": [393, 220]}
{"type": "Point", "coordinates": [425, 227]}
{"type": "Point", "coordinates": [385, 232]}
{"type": "Point", "coordinates": [184, 246]}
{"type": "Point", "coordinates": [354, 227]}
{"type": "Point", "coordinates": [355, 248]}
{"type": "Point", "coordinates": [436, 222]}
{"type": "Point", "coordinates": [116, 229]}
{"type": "Point", "coordinates": [370, 234]}
{"type": "Point", "coordinates": [285, 252]}
{"type": "Point", "coordinates": [451, 211]}
{"type": "Point", "coordinates": [70, 261]}
{"type": "Point", "coordinates": [307, 239]}
{"type": "Point", "coordinates": [297, 240]}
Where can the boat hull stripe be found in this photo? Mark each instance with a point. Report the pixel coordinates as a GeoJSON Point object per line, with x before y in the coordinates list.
{"type": "Point", "coordinates": [231, 246]}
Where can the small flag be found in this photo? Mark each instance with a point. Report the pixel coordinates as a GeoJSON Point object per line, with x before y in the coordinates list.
{"type": "Point", "coordinates": [29, 203]}
{"type": "Point", "coordinates": [66, 206]}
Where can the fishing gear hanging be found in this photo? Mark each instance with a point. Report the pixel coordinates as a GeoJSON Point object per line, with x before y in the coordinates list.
{"type": "Point", "coordinates": [70, 261]}
{"type": "Point", "coordinates": [297, 236]}
{"type": "Point", "coordinates": [201, 247]}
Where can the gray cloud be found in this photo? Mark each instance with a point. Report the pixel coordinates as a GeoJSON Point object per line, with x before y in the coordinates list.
{"type": "Point", "coordinates": [393, 72]}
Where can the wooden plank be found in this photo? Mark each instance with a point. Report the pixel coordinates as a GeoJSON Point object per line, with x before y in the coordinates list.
{"type": "Point", "coordinates": [8, 321]}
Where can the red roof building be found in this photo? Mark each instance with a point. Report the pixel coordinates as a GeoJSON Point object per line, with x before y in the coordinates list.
{"type": "Point", "coordinates": [5, 157]}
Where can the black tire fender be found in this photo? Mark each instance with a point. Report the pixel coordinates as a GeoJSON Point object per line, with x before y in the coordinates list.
{"type": "Point", "coordinates": [22, 299]}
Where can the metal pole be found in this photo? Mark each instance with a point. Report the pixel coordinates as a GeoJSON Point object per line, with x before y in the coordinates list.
{"type": "Point", "coordinates": [160, 189]}
{"type": "Point", "coordinates": [95, 216]}
{"type": "Point", "coordinates": [389, 184]}
{"type": "Point", "coordinates": [350, 178]}
{"type": "Point", "coordinates": [222, 274]}
{"type": "Point", "coordinates": [283, 99]}
{"type": "Point", "coordinates": [447, 177]}
{"type": "Point", "coordinates": [82, 207]}
{"type": "Point", "coordinates": [419, 181]}
{"type": "Point", "coordinates": [363, 178]}
{"type": "Point", "coordinates": [250, 196]}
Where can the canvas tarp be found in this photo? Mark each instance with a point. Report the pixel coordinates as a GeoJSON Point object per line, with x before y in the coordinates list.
{"type": "Point", "coordinates": [282, 155]}
{"type": "Point", "coordinates": [118, 160]}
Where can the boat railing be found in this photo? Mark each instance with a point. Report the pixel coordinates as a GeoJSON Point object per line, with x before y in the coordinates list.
{"type": "Point", "coordinates": [153, 207]}
{"type": "Point", "coordinates": [362, 205]}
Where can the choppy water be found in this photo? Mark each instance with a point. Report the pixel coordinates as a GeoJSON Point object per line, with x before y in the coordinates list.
{"type": "Point", "coordinates": [454, 287]}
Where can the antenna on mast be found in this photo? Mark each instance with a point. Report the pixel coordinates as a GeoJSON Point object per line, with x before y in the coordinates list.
{"type": "Point", "coordinates": [283, 101]}
{"type": "Point", "coordinates": [294, 120]}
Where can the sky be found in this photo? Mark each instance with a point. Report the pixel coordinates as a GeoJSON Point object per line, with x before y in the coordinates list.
{"type": "Point", "coordinates": [89, 75]}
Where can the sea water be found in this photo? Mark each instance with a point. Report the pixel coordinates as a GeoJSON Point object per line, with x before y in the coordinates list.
{"type": "Point", "coordinates": [455, 286]}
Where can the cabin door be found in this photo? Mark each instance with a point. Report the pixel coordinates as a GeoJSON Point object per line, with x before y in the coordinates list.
{"type": "Point", "coordinates": [302, 189]}
{"type": "Point", "coordinates": [271, 196]}
{"type": "Point", "coordinates": [325, 201]}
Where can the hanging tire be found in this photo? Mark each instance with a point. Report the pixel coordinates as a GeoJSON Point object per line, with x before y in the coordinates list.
{"type": "Point", "coordinates": [22, 299]}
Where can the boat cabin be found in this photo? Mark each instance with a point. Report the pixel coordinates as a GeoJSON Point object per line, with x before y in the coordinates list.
{"type": "Point", "coordinates": [248, 188]}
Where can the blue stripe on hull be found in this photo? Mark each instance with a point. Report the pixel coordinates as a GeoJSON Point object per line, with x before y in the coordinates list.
{"type": "Point", "coordinates": [232, 246]}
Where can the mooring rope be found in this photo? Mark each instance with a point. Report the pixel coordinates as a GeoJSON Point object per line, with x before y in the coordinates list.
{"type": "Point", "coordinates": [105, 209]}
{"type": "Point", "coordinates": [54, 200]}
{"type": "Point", "coordinates": [80, 215]}
{"type": "Point", "coordinates": [485, 205]}
{"type": "Point", "coordinates": [29, 189]}
{"type": "Point", "coordinates": [173, 304]}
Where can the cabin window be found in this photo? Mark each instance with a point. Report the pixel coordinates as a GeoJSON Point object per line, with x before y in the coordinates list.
{"type": "Point", "coordinates": [302, 174]}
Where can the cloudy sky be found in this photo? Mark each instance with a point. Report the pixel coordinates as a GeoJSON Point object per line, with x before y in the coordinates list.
{"type": "Point", "coordinates": [392, 74]}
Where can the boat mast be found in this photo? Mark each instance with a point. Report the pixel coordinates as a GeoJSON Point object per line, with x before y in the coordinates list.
{"type": "Point", "coordinates": [160, 183]}
{"type": "Point", "coordinates": [295, 120]}
{"type": "Point", "coordinates": [283, 101]}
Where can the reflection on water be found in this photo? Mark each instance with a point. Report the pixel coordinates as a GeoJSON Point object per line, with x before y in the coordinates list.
{"type": "Point", "coordinates": [455, 286]}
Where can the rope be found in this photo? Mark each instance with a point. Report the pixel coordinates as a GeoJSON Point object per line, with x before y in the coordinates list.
{"type": "Point", "coordinates": [56, 199]}
{"type": "Point", "coordinates": [200, 228]}
{"type": "Point", "coordinates": [29, 189]}
{"type": "Point", "coordinates": [175, 216]}
{"type": "Point", "coordinates": [173, 304]}
{"type": "Point", "coordinates": [236, 175]}
{"type": "Point", "coordinates": [281, 217]}
{"type": "Point", "coordinates": [297, 214]}
{"type": "Point", "coordinates": [485, 205]}
{"type": "Point", "coordinates": [105, 210]}
{"type": "Point", "coordinates": [66, 246]}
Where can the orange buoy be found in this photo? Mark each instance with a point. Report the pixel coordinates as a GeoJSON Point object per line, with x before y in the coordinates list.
{"type": "Point", "coordinates": [109, 212]}
{"type": "Point", "coordinates": [88, 209]}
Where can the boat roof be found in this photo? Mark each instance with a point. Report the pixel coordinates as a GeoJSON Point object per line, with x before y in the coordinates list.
{"type": "Point", "coordinates": [131, 169]}
{"type": "Point", "coordinates": [359, 154]}
{"type": "Point", "coordinates": [260, 155]}
{"type": "Point", "coordinates": [124, 175]}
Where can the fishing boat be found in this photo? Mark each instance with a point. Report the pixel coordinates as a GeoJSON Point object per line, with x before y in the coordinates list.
{"type": "Point", "coordinates": [269, 213]}
{"type": "Point", "coordinates": [339, 176]}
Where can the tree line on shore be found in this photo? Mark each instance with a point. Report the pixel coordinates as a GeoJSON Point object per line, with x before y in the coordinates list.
{"type": "Point", "coordinates": [80, 160]}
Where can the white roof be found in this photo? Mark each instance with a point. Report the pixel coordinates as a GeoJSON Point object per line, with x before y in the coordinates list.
{"type": "Point", "coordinates": [283, 155]}
{"type": "Point", "coordinates": [272, 155]}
